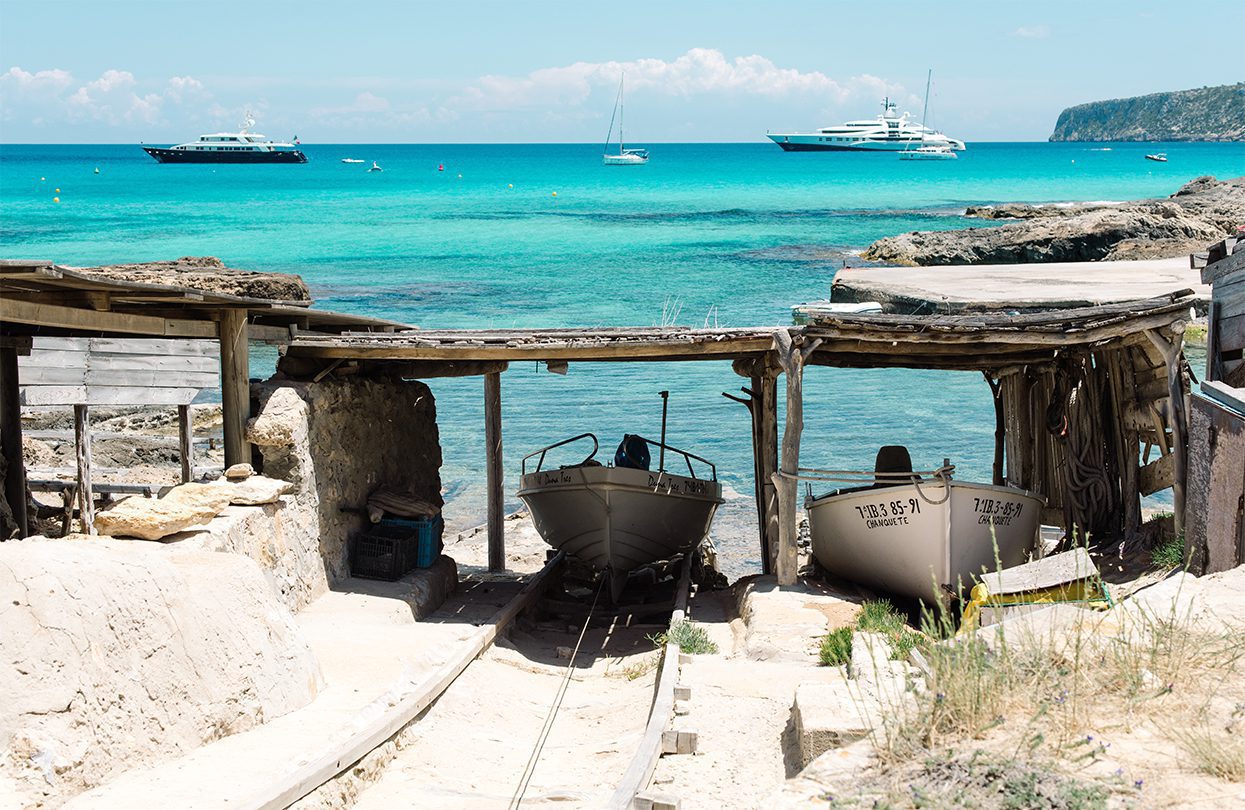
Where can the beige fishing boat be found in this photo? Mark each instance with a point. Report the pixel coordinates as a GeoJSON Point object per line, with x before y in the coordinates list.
{"type": "Point", "coordinates": [617, 518]}
{"type": "Point", "coordinates": [918, 534]}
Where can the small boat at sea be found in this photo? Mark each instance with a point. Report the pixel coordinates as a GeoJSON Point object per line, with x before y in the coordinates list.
{"type": "Point", "coordinates": [353, 160]}
{"type": "Point", "coordinates": [1160, 157]}
{"type": "Point", "coordinates": [624, 156]}
{"type": "Point", "coordinates": [375, 167]}
{"type": "Point", "coordinates": [619, 517]}
{"type": "Point", "coordinates": [928, 151]}
{"type": "Point", "coordinates": [922, 535]}
{"type": "Point", "coordinates": [242, 146]}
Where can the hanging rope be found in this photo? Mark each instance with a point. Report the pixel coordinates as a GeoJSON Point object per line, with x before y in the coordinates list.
{"type": "Point", "coordinates": [530, 769]}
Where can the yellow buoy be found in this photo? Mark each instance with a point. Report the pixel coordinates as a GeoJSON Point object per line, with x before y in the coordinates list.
{"type": "Point", "coordinates": [510, 185]}
{"type": "Point", "coordinates": [56, 199]}
{"type": "Point", "coordinates": [555, 193]}
{"type": "Point", "coordinates": [58, 191]}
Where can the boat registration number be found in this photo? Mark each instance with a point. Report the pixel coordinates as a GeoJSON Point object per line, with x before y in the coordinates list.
{"type": "Point", "coordinates": [888, 513]}
{"type": "Point", "coordinates": [680, 485]}
{"type": "Point", "coordinates": [996, 511]}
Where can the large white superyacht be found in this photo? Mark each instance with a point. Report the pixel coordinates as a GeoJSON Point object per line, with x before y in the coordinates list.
{"type": "Point", "coordinates": [889, 132]}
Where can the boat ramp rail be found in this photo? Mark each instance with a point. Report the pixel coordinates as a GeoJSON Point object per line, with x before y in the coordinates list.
{"type": "Point", "coordinates": [870, 476]}
{"type": "Point", "coordinates": [596, 445]}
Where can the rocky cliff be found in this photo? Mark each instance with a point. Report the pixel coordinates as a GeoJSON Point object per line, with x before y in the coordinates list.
{"type": "Point", "coordinates": [1205, 114]}
{"type": "Point", "coordinates": [1204, 210]}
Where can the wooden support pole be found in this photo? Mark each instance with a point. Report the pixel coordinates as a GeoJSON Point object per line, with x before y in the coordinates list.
{"type": "Point", "coordinates": [185, 442]}
{"type": "Point", "coordinates": [235, 389]}
{"type": "Point", "coordinates": [82, 448]}
{"type": "Point", "coordinates": [769, 465]}
{"type": "Point", "coordinates": [1176, 417]}
{"type": "Point", "coordinates": [495, 474]}
{"type": "Point", "coordinates": [1000, 427]}
{"type": "Point", "coordinates": [11, 438]}
{"type": "Point", "coordinates": [791, 355]}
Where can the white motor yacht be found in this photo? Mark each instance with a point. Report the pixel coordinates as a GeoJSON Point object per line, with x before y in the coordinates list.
{"type": "Point", "coordinates": [242, 146]}
{"type": "Point", "coordinates": [889, 132]}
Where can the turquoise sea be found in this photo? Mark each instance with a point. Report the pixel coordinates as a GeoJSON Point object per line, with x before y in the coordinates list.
{"type": "Point", "coordinates": [544, 235]}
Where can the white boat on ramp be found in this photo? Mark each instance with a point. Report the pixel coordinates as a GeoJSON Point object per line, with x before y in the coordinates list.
{"type": "Point", "coordinates": [618, 518]}
{"type": "Point", "coordinates": [922, 535]}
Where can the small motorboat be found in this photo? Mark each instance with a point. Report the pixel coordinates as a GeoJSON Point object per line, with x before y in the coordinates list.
{"type": "Point", "coordinates": [353, 160]}
{"type": "Point", "coordinates": [375, 167]}
{"type": "Point", "coordinates": [930, 152]}
{"type": "Point", "coordinates": [919, 534]}
{"type": "Point", "coordinates": [620, 517]}
{"type": "Point", "coordinates": [1159, 157]}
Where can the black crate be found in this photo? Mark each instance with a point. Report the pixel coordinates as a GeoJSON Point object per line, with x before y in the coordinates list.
{"type": "Point", "coordinates": [383, 552]}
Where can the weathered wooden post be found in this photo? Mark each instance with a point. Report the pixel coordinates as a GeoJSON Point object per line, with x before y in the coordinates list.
{"type": "Point", "coordinates": [11, 435]}
{"type": "Point", "coordinates": [82, 449]}
{"type": "Point", "coordinates": [1000, 426]}
{"type": "Point", "coordinates": [235, 389]}
{"type": "Point", "coordinates": [495, 473]}
{"type": "Point", "coordinates": [1176, 417]}
{"type": "Point", "coordinates": [185, 442]}
{"type": "Point", "coordinates": [792, 352]}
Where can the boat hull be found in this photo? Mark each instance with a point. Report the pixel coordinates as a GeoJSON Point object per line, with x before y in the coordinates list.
{"type": "Point", "coordinates": [207, 156]}
{"type": "Point", "coordinates": [915, 154]}
{"type": "Point", "coordinates": [618, 519]}
{"type": "Point", "coordinates": [817, 143]}
{"type": "Point", "coordinates": [624, 160]}
{"type": "Point", "coordinates": [901, 539]}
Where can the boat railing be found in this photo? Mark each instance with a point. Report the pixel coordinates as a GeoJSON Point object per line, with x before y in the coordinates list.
{"type": "Point", "coordinates": [870, 476]}
{"type": "Point", "coordinates": [542, 451]}
{"type": "Point", "coordinates": [687, 458]}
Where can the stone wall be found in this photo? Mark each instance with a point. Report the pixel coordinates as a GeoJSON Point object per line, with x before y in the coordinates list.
{"type": "Point", "coordinates": [117, 655]}
{"type": "Point", "coordinates": [337, 441]}
{"type": "Point", "coordinates": [1214, 517]}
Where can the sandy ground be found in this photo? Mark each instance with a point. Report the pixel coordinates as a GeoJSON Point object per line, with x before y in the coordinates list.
{"type": "Point", "coordinates": [471, 747]}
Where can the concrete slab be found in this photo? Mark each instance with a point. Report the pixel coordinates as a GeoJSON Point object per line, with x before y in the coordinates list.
{"type": "Point", "coordinates": [958, 288]}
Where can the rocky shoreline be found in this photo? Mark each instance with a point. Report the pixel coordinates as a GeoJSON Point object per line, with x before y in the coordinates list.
{"type": "Point", "coordinates": [1203, 211]}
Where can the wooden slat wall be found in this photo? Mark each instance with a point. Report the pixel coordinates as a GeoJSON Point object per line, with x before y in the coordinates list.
{"type": "Point", "coordinates": [108, 371]}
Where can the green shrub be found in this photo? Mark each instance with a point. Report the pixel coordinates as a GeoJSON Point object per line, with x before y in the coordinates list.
{"type": "Point", "coordinates": [1169, 553]}
{"type": "Point", "coordinates": [836, 647]}
{"type": "Point", "coordinates": [691, 638]}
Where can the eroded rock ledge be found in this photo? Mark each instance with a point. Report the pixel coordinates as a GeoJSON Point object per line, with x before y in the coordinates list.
{"type": "Point", "coordinates": [1204, 210]}
{"type": "Point", "coordinates": [209, 274]}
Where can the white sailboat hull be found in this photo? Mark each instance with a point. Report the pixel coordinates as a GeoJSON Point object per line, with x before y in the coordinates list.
{"type": "Point", "coordinates": [616, 518]}
{"type": "Point", "coordinates": [899, 539]}
{"type": "Point", "coordinates": [624, 160]}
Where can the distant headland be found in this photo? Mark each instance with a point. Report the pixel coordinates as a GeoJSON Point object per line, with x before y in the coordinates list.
{"type": "Point", "coordinates": [1204, 114]}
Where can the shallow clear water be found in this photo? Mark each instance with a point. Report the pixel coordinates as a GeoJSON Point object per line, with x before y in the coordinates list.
{"type": "Point", "coordinates": [726, 234]}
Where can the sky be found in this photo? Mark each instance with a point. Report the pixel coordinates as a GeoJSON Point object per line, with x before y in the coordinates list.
{"type": "Point", "coordinates": [117, 71]}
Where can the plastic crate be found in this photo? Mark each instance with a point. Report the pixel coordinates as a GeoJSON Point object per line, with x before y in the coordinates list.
{"type": "Point", "coordinates": [426, 542]}
{"type": "Point", "coordinates": [382, 552]}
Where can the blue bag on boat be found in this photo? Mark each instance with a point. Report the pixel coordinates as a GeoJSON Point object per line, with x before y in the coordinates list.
{"type": "Point", "coordinates": [632, 453]}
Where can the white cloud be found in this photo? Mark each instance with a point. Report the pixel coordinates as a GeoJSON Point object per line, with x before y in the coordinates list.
{"type": "Point", "coordinates": [182, 87]}
{"type": "Point", "coordinates": [23, 81]}
{"type": "Point", "coordinates": [1032, 32]}
{"type": "Point", "coordinates": [365, 102]}
{"type": "Point", "coordinates": [699, 71]}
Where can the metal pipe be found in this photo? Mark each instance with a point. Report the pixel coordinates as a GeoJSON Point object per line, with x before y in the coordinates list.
{"type": "Point", "coordinates": [665, 402]}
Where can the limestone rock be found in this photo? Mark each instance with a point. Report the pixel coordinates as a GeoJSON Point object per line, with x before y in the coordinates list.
{"type": "Point", "coordinates": [239, 472]}
{"type": "Point", "coordinates": [210, 274]}
{"type": "Point", "coordinates": [254, 491]}
{"type": "Point", "coordinates": [118, 655]}
{"type": "Point", "coordinates": [1203, 211]}
{"type": "Point", "coordinates": [156, 518]}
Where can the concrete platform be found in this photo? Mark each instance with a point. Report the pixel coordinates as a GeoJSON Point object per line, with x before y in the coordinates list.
{"type": "Point", "coordinates": [372, 651]}
{"type": "Point", "coordinates": [1020, 287]}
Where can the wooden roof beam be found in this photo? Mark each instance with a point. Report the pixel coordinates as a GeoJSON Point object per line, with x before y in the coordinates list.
{"type": "Point", "coordinates": [88, 320]}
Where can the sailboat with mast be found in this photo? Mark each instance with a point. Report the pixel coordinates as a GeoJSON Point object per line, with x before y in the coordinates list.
{"type": "Point", "coordinates": [625, 156]}
{"type": "Point", "coordinates": [928, 151]}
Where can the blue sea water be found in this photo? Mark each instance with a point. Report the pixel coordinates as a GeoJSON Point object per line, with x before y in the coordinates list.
{"type": "Point", "coordinates": [544, 235]}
